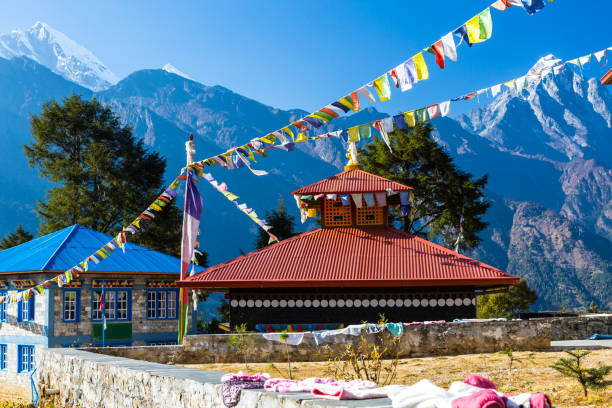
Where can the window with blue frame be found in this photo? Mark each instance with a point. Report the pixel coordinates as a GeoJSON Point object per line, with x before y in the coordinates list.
{"type": "Point", "coordinates": [25, 310]}
{"type": "Point", "coordinates": [3, 357]}
{"type": "Point", "coordinates": [71, 305]}
{"type": "Point", "coordinates": [117, 304]}
{"type": "Point", "coordinates": [3, 306]}
{"type": "Point", "coordinates": [25, 359]}
{"type": "Point", "coordinates": [162, 304]}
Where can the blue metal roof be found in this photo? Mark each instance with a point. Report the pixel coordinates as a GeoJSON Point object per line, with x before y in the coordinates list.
{"type": "Point", "coordinates": [65, 248]}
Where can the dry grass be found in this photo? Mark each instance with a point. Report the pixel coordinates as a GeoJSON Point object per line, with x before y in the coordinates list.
{"type": "Point", "coordinates": [531, 373]}
{"type": "Point", "coordinates": [12, 396]}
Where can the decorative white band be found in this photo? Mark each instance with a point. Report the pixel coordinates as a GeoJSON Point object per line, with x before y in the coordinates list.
{"type": "Point", "coordinates": [454, 301]}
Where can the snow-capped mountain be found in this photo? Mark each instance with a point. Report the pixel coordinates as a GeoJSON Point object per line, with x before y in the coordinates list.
{"type": "Point", "coordinates": [174, 70]}
{"type": "Point", "coordinates": [54, 50]}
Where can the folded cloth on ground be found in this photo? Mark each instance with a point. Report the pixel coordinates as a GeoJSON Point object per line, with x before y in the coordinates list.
{"type": "Point", "coordinates": [285, 385]}
{"type": "Point", "coordinates": [480, 399]}
{"type": "Point", "coordinates": [540, 400]}
{"type": "Point", "coordinates": [292, 338]}
{"type": "Point", "coordinates": [352, 390]}
{"type": "Point", "coordinates": [233, 384]}
{"type": "Point", "coordinates": [479, 381]}
{"type": "Point", "coordinates": [598, 336]}
{"type": "Point", "coordinates": [423, 394]}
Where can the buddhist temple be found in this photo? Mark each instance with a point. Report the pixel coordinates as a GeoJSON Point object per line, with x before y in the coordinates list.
{"type": "Point", "coordinates": [353, 268]}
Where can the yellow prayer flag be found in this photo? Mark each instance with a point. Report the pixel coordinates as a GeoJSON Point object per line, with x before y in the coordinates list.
{"type": "Point", "coordinates": [268, 139]}
{"type": "Point", "coordinates": [473, 29]}
{"type": "Point", "coordinates": [301, 137]}
{"type": "Point", "coordinates": [312, 213]}
{"type": "Point", "coordinates": [156, 207]}
{"type": "Point", "coordinates": [174, 184]}
{"type": "Point", "coordinates": [314, 115]}
{"type": "Point", "coordinates": [421, 67]}
{"type": "Point", "coordinates": [410, 119]}
{"type": "Point", "coordinates": [511, 84]}
{"type": "Point", "coordinates": [289, 132]}
{"type": "Point", "coordinates": [230, 196]}
{"type": "Point", "coordinates": [354, 134]}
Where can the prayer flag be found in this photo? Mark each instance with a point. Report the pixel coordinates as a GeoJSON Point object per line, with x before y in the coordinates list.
{"type": "Point", "coordinates": [399, 121]}
{"type": "Point", "coordinates": [329, 112]}
{"type": "Point", "coordinates": [574, 61]}
{"type": "Point", "coordinates": [585, 59]}
{"type": "Point", "coordinates": [387, 124]}
{"type": "Point", "coordinates": [366, 92]}
{"type": "Point", "coordinates": [405, 78]}
{"type": "Point", "coordinates": [357, 199]}
{"type": "Point", "coordinates": [369, 199]}
{"type": "Point", "coordinates": [353, 134]}
{"type": "Point", "coordinates": [381, 199]}
{"type": "Point", "coordinates": [462, 34]}
{"type": "Point", "coordinates": [600, 55]}
{"type": "Point", "coordinates": [421, 67]}
{"type": "Point", "coordinates": [348, 102]}
{"type": "Point", "coordinates": [445, 108]}
{"type": "Point", "coordinates": [439, 51]}
{"type": "Point", "coordinates": [345, 198]}
{"type": "Point", "coordinates": [355, 97]}
{"type": "Point", "coordinates": [520, 83]}
{"type": "Point", "coordinates": [410, 119]}
{"type": "Point", "coordinates": [365, 131]}
{"type": "Point", "coordinates": [495, 89]}
{"type": "Point", "coordinates": [382, 87]}
{"type": "Point", "coordinates": [421, 115]}
{"type": "Point", "coordinates": [378, 125]}
{"type": "Point", "coordinates": [340, 107]}
{"type": "Point", "coordinates": [433, 111]}
{"type": "Point", "coordinates": [532, 6]}
{"type": "Point", "coordinates": [486, 24]}
{"type": "Point", "coordinates": [500, 5]}
{"type": "Point", "coordinates": [469, 96]}
{"type": "Point", "coordinates": [317, 123]}
{"type": "Point", "coordinates": [448, 43]}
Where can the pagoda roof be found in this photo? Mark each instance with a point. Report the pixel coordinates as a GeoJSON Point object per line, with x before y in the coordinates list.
{"type": "Point", "coordinates": [350, 257]}
{"type": "Point", "coordinates": [607, 78]}
{"type": "Point", "coordinates": [352, 181]}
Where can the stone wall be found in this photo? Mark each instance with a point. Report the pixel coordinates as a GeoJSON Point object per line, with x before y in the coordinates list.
{"type": "Point", "coordinates": [580, 328]}
{"type": "Point", "coordinates": [417, 341]}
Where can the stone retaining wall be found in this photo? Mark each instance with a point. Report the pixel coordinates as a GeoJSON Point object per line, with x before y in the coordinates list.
{"type": "Point", "coordinates": [417, 341]}
{"type": "Point", "coordinates": [580, 328]}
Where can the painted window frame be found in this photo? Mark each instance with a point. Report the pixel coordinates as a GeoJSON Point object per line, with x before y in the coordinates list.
{"type": "Point", "coordinates": [31, 302]}
{"type": "Point", "coordinates": [3, 307]}
{"type": "Point", "coordinates": [166, 301]}
{"type": "Point", "coordinates": [3, 357]}
{"type": "Point", "coordinates": [96, 293]}
{"type": "Point", "coordinates": [77, 305]}
{"type": "Point", "coordinates": [31, 363]}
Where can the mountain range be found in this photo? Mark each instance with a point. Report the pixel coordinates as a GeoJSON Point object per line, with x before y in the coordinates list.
{"type": "Point", "coordinates": [546, 150]}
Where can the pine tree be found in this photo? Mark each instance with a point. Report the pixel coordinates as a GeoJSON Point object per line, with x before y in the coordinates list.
{"type": "Point", "coordinates": [589, 378]}
{"type": "Point", "coordinates": [508, 304]}
{"type": "Point", "coordinates": [448, 202]}
{"type": "Point", "coordinates": [105, 176]}
{"type": "Point", "coordinates": [15, 238]}
{"type": "Point", "coordinates": [282, 225]}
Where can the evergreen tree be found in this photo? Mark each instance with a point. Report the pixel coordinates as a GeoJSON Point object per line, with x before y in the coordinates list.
{"type": "Point", "coordinates": [281, 222]}
{"type": "Point", "coordinates": [15, 238]}
{"type": "Point", "coordinates": [446, 199]}
{"type": "Point", "coordinates": [105, 176]}
{"type": "Point", "coordinates": [507, 304]}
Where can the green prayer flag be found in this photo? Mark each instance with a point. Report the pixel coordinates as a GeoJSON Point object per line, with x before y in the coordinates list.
{"type": "Point", "coordinates": [365, 131]}
{"type": "Point", "coordinates": [486, 24]}
{"type": "Point", "coordinates": [421, 114]}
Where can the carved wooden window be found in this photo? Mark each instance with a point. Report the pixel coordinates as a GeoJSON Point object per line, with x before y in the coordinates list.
{"type": "Point", "coordinates": [370, 215]}
{"type": "Point", "coordinates": [337, 214]}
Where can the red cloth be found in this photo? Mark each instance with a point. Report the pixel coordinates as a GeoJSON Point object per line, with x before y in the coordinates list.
{"type": "Point", "coordinates": [439, 51]}
{"type": "Point", "coordinates": [394, 76]}
{"type": "Point", "coordinates": [330, 112]}
{"type": "Point", "coordinates": [478, 381]}
{"type": "Point", "coordinates": [481, 399]}
{"type": "Point", "coordinates": [540, 401]}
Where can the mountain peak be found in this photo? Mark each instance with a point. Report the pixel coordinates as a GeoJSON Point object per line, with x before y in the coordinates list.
{"type": "Point", "coordinates": [546, 62]}
{"type": "Point", "coordinates": [56, 51]}
{"type": "Point", "coordinates": [174, 70]}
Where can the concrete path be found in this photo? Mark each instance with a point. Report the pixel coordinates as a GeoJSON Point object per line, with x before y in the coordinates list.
{"type": "Point", "coordinates": [581, 344]}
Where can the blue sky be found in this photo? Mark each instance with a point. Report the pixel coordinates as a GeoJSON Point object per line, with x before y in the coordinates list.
{"type": "Point", "coordinates": [305, 54]}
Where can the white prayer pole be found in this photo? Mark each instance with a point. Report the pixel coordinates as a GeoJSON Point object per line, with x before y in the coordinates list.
{"type": "Point", "coordinates": [352, 155]}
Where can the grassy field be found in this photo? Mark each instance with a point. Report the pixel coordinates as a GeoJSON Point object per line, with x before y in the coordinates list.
{"type": "Point", "coordinates": [531, 373]}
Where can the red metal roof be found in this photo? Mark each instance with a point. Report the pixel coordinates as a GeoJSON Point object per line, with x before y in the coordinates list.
{"type": "Point", "coordinates": [357, 257]}
{"type": "Point", "coordinates": [352, 181]}
{"type": "Point", "coordinates": [607, 79]}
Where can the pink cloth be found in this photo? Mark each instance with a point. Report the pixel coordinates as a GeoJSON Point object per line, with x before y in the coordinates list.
{"type": "Point", "coordinates": [478, 381]}
{"type": "Point", "coordinates": [352, 390]}
{"type": "Point", "coordinates": [285, 385]}
{"type": "Point", "coordinates": [239, 376]}
{"type": "Point", "coordinates": [540, 401]}
{"type": "Point", "coordinates": [481, 399]}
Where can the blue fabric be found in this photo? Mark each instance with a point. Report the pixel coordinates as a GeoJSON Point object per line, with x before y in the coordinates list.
{"type": "Point", "coordinates": [374, 328]}
{"type": "Point", "coordinates": [598, 336]}
{"type": "Point", "coordinates": [314, 122]}
{"type": "Point", "coordinates": [461, 32]}
{"type": "Point", "coordinates": [533, 6]}
{"type": "Point", "coordinates": [346, 199]}
{"type": "Point", "coordinates": [63, 249]}
{"type": "Point", "coordinates": [237, 161]}
{"type": "Point", "coordinates": [396, 329]}
{"type": "Point", "coordinates": [340, 106]}
{"type": "Point", "coordinates": [405, 210]}
{"type": "Point", "coordinates": [400, 121]}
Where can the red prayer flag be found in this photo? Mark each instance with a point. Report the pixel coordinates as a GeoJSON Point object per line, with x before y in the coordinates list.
{"type": "Point", "coordinates": [469, 96]}
{"type": "Point", "coordinates": [394, 76]}
{"type": "Point", "coordinates": [439, 51]}
{"type": "Point", "coordinates": [355, 98]}
{"type": "Point", "coordinates": [301, 125]}
{"type": "Point", "coordinates": [330, 112]}
{"type": "Point", "coordinates": [101, 302]}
